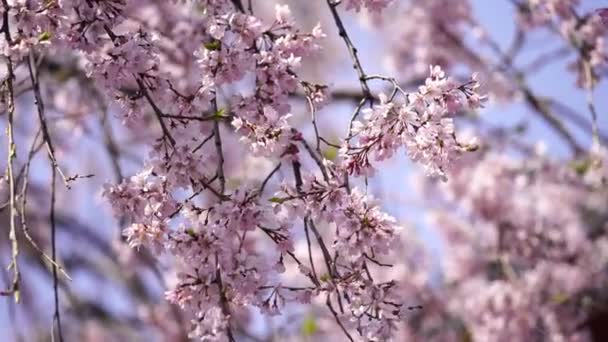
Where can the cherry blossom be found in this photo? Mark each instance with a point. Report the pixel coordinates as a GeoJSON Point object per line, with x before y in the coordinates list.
{"type": "Point", "coordinates": [216, 127]}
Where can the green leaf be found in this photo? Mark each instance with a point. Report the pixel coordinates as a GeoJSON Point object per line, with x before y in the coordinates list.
{"type": "Point", "coordinates": [220, 114]}
{"type": "Point", "coordinates": [44, 36]}
{"type": "Point", "coordinates": [276, 200]}
{"type": "Point", "coordinates": [560, 298]}
{"type": "Point", "coordinates": [330, 153]}
{"type": "Point", "coordinates": [309, 326]}
{"type": "Point", "coordinates": [213, 45]}
{"type": "Point", "coordinates": [581, 166]}
{"type": "Point", "coordinates": [471, 147]}
{"type": "Point", "coordinates": [325, 277]}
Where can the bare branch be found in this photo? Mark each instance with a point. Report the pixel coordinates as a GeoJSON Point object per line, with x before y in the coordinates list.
{"type": "Point", "coordinates": [11, 154]}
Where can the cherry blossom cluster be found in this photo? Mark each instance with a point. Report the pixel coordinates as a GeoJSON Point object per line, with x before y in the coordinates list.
{"type": "Point", "coordinates": [224, 273]}
{"type": "Point", "coordinates": [535, 248]}
{"type": "Point", "coordinates": [363, 235]}
{"type": "Point", "coordinates": [540, 12]}
{"type": "Point", "coordinates": [585, 33]}
{"type": "Point", "coordinates": [529, 308]}
{"type": "Point", "coordinates": [37, 28]}
{"type": "Point", "coordinates": [431, 36]}
{"type": "Point", "coordinates": [221, 271]}
{"type": "Point", "coordinates": [125, 64]}
{"type": "Point", "coordinates": [206, 238]}
{"type": "Point", "coordinates": [531, 226]}
{"type": "Point", "coordinates": [362, 229]}
{"type": "Point", "coordinates": [242, 48]}
{"type": "Point", "coordinates": [144, 201]}
{"type": "Point", "coordinates": [190, 162]}
{"type": "Point", "coordinates": [423, 125]}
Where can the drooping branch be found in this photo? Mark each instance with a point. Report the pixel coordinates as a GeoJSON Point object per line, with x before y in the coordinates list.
{"type": "Point", "coordinates": [11, 155]}
{"type": "Point", "coordinates": [219, 150]}
{"type": "Point", "coordinates": [33, 72]}
{"type": "Point", "coordinates": [354, 55]}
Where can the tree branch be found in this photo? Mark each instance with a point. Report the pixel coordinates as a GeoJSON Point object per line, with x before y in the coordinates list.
{"type": "Point", "coordinates": [11, 154]}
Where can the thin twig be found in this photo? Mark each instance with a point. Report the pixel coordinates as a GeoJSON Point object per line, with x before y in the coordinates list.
{"type": "Point", "coordinates": [326, 255]}
{"type": "Point", "coordinates": [268, 177]}
{"type": "Point", "coordinates": [218, 149]}
{"type": "Point", "coordinates": [191, 118]}
{"type": "Point", "coordinates": [110, 142]}
{"type": "Point", "coordinates": [56, 315]}
{"type": "Point", "coordinates": [24, 227]}
{"type": "Point", "coordinates": [203, 142]}
{"type": "Point", "coordinates": [547, 115]}
{"type": "Point", "coordinates": [309, 245]}
{"type": "Point", "coordinates": [576, 118]}
{"type": "Point", "coordinates": [316, 158]}
{"type": "Point", "coordinates": [223, 300]}
{"type": "Point", "coordinates": [353, 118]}
{"type": "Point", "coordinates": [351, 48]}
{"type": "Point", "coordinates": [159, 114]}
{"type": "Point", "coordinates": [313, 118]}
{"type": "Point", "coordinates": [590, 104]}
{"type": "Point", "coordinates": [530, 97]}
{"type": "Point", "coordinates": [12, 152]}
{"type": "Point", "coordinates": [335, 314]}
{"type": "Point", "coordinates": [367, 95]}
{"type": "Point", "coordinates": [33, 71]}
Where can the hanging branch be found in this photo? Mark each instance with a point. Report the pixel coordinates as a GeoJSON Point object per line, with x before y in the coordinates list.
{"type": "Point", "coordinates": [33, 72]}
{"type": "Point", "coordinates": [331, 268]}
{"type": "Point", "coordinates": [11, 154]}
{"type": "Point", "coordinates": [219, 150]}
{"type": "Point", "coordinates": [354, 53]}
{"type": "Point", "coordinates": [57, 314]}
{"type": "Point", "coordinates": [24, 196]}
